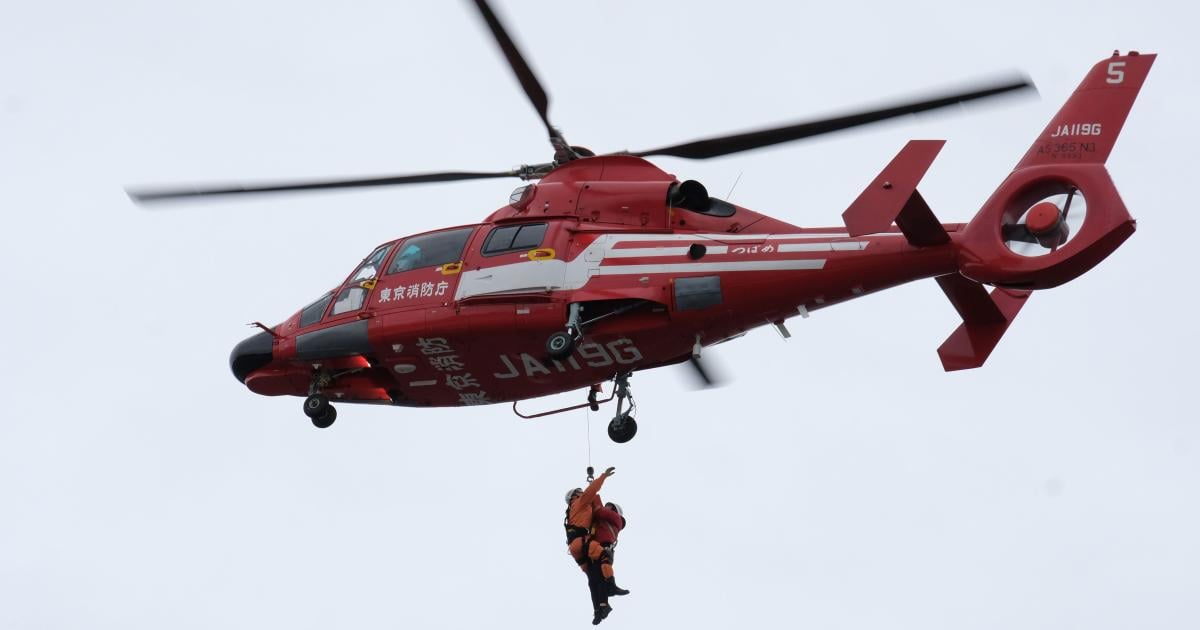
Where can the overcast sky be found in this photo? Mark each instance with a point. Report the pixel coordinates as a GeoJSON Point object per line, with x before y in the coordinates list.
{"type": "Point", "coordinates": [841, 480]}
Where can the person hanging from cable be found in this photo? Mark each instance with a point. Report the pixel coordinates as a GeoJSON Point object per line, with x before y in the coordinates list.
{"type": "Point", "coordinates": [581, 504]}
{"type": "Point", "coordinates": [607, 523]}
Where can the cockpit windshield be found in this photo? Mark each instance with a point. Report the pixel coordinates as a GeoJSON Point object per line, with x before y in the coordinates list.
{"type": "Point", "coordinates": [370, 268]}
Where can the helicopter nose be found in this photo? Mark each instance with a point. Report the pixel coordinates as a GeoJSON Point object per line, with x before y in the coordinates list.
{"type": "Point", "coordinates": [249, 355]}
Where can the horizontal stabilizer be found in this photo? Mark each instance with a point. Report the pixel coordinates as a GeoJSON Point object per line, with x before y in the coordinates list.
{"type": "Point", "coordinates": [985, 316]}
{"type": "Point", "coordinates": [893, 197]}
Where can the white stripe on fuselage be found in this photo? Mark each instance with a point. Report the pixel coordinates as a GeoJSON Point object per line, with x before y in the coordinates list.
{"type": "Point", "coordinates": [549, 275]}
{"type": "Point", "coordinates": [650, 252]}
{"type": "Point", "coordinates": [834, 246]}
{"type": "Point", "coordinates": [742, 237]}
{"type": "Point", "coordinates": [738, 265]}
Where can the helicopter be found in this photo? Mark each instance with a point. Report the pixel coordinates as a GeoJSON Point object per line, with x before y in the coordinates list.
{"type": "Point", "coordinates": [605, 265]}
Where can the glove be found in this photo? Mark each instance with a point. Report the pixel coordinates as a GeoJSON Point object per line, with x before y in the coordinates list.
{"type": "Point", "coordinates": [610, 471]}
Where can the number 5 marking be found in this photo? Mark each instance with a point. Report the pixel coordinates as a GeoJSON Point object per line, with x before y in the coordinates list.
{"type": "Point", "coordinates": [1115, 73]}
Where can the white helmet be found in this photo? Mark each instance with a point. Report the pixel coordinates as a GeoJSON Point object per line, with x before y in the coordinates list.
{"type": "Point", "coordinates": [616, 508]}
{"type": "Point", "coordinates": [572, 493]}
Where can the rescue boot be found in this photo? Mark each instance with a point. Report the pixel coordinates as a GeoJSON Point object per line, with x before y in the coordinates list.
{"type": "Point", "coordinates": [601, 612]}
{"type": "Point", "coordinates": [613, 589]}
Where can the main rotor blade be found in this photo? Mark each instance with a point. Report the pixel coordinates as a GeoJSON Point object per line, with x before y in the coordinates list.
{"type": "Point", "coordinates": [147, 195]}
{"type": "Point", "coordinates": [533, 87]}
{"type": "Point", "coordinates": [725, 145]}
{"type": "Point", "coordinates": [704, 373]}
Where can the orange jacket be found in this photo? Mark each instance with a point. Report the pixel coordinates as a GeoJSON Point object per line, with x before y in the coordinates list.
{"type": "Point", "coordinates": [579, 513]}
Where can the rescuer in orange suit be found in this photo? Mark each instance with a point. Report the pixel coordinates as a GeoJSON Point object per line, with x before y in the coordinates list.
{"type": "Point", "coordinates": [581, 504]}
{"type": "Point", "coordinates": [607, 523]}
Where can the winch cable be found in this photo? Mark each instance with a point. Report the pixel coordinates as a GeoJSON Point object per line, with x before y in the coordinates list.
{"type": "Point", "coordinates": [590, 470]}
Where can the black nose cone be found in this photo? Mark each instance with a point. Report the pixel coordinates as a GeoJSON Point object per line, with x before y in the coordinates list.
{"type": "Point", "coordinates": [249, 355]}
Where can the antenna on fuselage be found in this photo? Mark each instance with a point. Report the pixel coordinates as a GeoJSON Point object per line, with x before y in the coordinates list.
{"type": "Point", "coordinates": [735, 183]}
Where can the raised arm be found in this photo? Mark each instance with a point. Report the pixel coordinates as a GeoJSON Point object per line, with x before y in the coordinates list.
{"type": "Point", "coordinates": [589, 494]}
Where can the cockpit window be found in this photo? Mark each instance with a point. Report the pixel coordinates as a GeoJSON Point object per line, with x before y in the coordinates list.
{"type": "Point", "coordinates": [428, 250]}
{"type": "Point", "coordinates": [369, 269]}
{"type": "Point", "coordinates": [312, 313]}
{"type": "Point", "coordinates": [350, 299]}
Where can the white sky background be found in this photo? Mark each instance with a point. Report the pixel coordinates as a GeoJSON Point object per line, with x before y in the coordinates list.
{"type": "Point", "coordinates": [842, 480]}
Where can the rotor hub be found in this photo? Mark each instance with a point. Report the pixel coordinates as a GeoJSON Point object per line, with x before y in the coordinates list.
{"type": "Point", "coordinates": [1043, 218]}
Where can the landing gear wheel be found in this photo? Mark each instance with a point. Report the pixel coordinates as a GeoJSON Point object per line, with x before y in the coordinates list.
{"type": "Point", "coordinates": [316, 405]}
{"type": "Point", "coordinates": [325, 420]}
{"type": "Point", "coordinates": [560, 345]}
{"type": "Point", "coordinates": [622, 429]}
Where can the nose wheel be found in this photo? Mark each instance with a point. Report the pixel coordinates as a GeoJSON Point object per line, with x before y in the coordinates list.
{"type": "Point", "coordinates": [318, 409]}
{"type": "Point", "coordinates": [623, 427]}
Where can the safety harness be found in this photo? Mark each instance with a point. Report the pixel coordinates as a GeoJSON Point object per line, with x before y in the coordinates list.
{"type": "Point", "coordinates": [575, 531]}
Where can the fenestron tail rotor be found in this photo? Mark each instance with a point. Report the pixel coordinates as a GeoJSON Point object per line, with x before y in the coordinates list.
{"type": "Point", "coordinates": [1046, 225]}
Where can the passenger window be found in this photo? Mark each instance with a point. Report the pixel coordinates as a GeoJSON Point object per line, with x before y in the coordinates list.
{"type": "Point", "coordinates": [511, 238]}
{"type": "Point", "coordinates": [312, 313]}
{"type": "Point", "coordinates": [500, 240]}
{"type": "Point", "coordinates": [350, 299]}
{"type": "Point", "coordinates": [428, 250]}
{"type": "Point", "coordinates": [530, 236]}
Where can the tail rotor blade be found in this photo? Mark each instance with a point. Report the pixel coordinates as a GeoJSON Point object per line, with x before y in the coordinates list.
{"type": "Point", "coordinates": [1067, 206]}
{"type": "Point", "coordinates": [1017, 232]}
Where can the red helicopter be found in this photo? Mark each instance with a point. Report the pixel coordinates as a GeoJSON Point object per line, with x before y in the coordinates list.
{"type": "Point", "coordinates": [608, 265]}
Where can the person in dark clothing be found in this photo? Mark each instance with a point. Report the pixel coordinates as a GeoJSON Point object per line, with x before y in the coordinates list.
{"type": "Point", "coordinates": [598, 591]}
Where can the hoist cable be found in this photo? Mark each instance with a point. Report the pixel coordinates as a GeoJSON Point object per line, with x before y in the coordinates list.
{"type": "Point", "coordinates": [589, 438]}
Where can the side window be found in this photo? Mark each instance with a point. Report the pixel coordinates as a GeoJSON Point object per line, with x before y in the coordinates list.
{"type": "Point", "coordinates": [313, 312]}
{"type": "Point", "coordinates": [511, 238]}
{"type": "Point", "coordinates": [500, 240]}
{"type": "Point", "coordinates": [530, 236]}
{"type": "Point", "coordinates": [428, 250]}
{"type": "Point", "coordinates": [350, 299]}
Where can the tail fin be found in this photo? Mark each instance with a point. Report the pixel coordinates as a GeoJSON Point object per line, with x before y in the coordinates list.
{"type": "Point", "coordinates": [1056, 216]}
{"type": "Point", "coordinates": [986, 318]}
{"type": "Point", "coordinates": [1086, 128]}
{"type": "Point", "coordinates": [1058, 213]}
